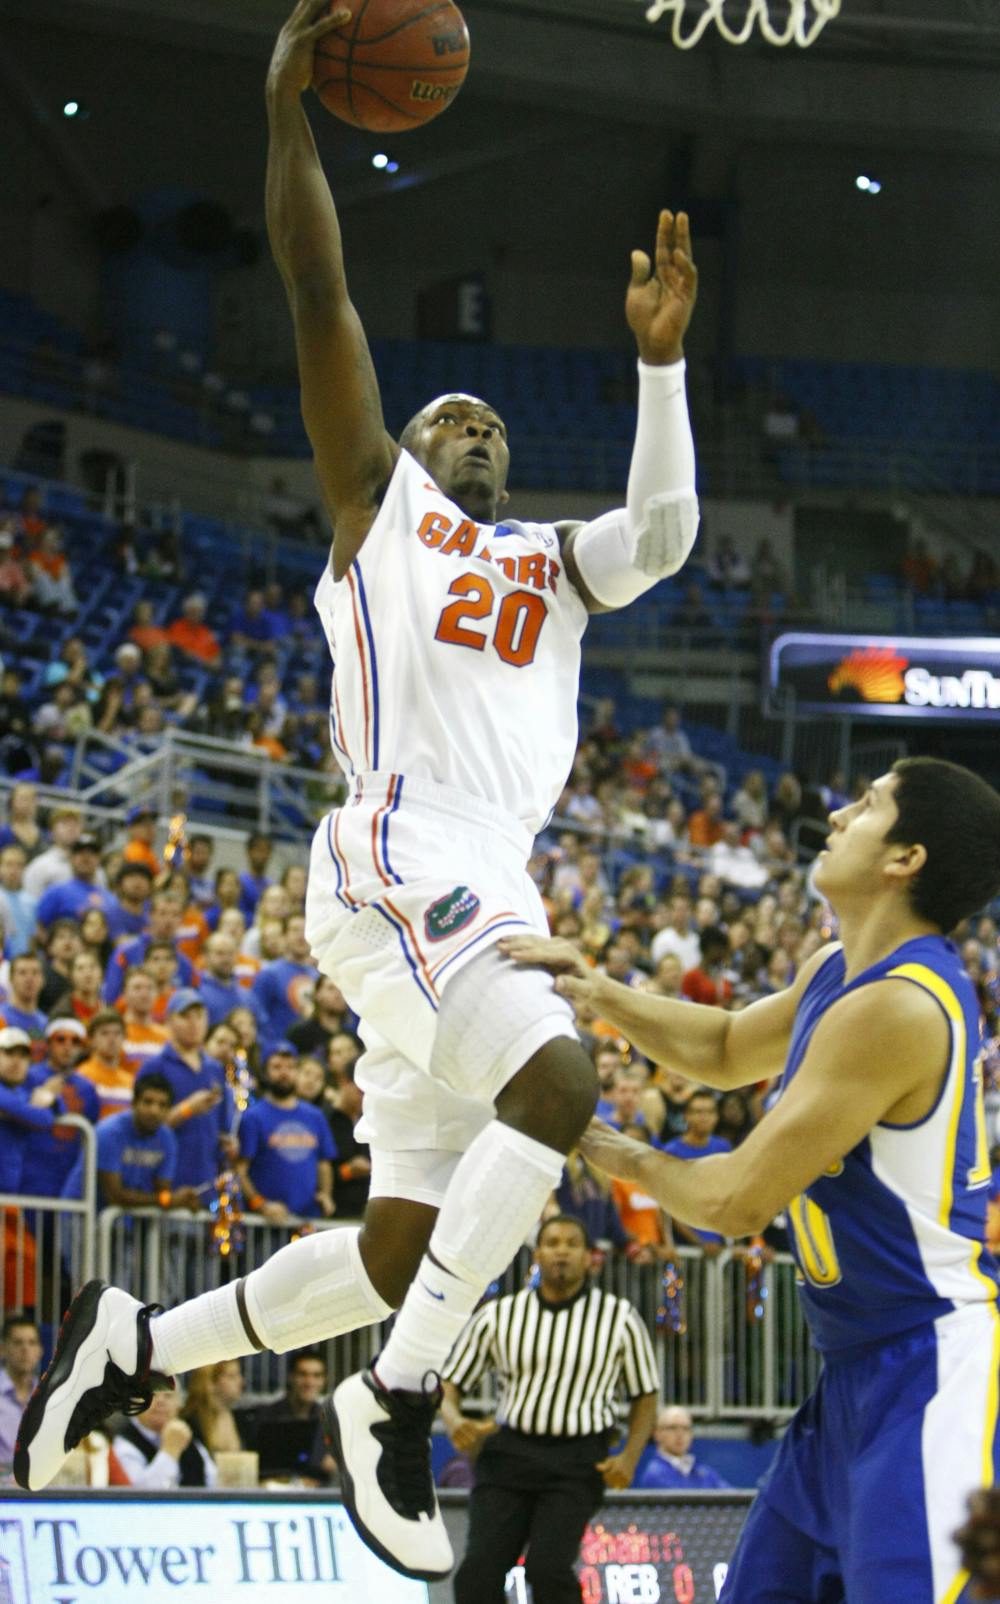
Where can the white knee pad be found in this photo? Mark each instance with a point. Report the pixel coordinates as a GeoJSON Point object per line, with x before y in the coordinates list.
{"type": "Point", "coordinates": [499, 1191]}
{"type": "Point", "coordinates": [494, 1016]}
{"type": "Point", "coordinates": [313, 1289]}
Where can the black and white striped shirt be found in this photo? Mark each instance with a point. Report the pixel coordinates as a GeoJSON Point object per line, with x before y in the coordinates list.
{"type": "Point", "coordinates": [559, 1364]}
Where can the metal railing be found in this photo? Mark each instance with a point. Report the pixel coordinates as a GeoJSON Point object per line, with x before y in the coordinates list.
{"type": "Point", "coordinates": [49, 1243]}
{"type": "Point", "coordinates": [725, 1366]}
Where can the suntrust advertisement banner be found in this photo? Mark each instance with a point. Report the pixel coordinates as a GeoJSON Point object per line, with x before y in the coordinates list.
{"type": "Point", "coordinates": [117, 1550]}
{"type": "Point", "coordinates": [887, 676]}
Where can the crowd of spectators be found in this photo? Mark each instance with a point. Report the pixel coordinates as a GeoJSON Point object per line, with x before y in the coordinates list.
{"type": "Point", "coordinates": [243, 675]}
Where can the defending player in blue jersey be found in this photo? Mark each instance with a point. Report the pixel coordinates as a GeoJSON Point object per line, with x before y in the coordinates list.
{"type": "Point", "coordinates": [876, 1150]}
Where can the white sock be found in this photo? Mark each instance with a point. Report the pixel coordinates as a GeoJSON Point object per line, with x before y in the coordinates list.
{"type": "Point", "coordinates": [495, 1197]}
{"type": "Point", "coordinates": [311, 1290]}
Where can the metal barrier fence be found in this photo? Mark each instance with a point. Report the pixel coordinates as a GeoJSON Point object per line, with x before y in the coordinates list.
{"type": "Point", "coordinates": [726, 1365]}
{"type": "Point", "coordinates": [49, 1243]}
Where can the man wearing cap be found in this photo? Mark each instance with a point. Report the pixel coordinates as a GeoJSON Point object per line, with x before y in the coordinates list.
{"type": "Point", "coordinates": [166, 910]}
{"type": "Point", "coordinates": [220, 990]}
{"type": "Point", "coordinates": [141, 822]}
{"type": "Point", "coordinates": [26, 978]}
{"type": "Point", "coordinates": [106, 1066]}
{"type": "Point", "coordinates": [52, 1154]}
{"type": "Point", "coordinates": [53, 866]}
{"type": "Point", "coordinates": [286, 1149]}
{"type": "Point", "coordinates": [191, 635]}
{"type": "Point", "coordinates": [82, 890]}
{"type": "Point", "coordinates": [202, 1115]}
{"type": "Point", "coordinates": [133, 883]}
{"type": "Point", "coordinates": [23, 1111]}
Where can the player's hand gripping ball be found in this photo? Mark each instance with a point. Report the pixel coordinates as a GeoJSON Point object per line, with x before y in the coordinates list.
{"type": "Point", "coordinates": [394, 65]}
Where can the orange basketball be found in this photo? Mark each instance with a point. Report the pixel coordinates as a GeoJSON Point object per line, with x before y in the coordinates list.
{"type": "Point", "coordinates": [394, 65]}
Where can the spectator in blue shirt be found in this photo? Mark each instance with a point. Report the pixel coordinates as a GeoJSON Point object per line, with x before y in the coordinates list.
{"type": "Point", "coordinates": [73, 897]}
{"type": "Point", "coordinates": [672, 1464]}
{"type": "Point", "coordinates": [220, 990]}
{"type": "Point", "coordinates": [701, 1116]}
{"type": "Point", "coordinates": [137, 1154]}
{"type": "Point", "coordinates": [202, 1114]}
{"type": "Point", "coordinates": [251, 630]}
{"type": "Point", "coordinates": [166, 910]}
{"type": "Point", "coordinates": [253, 880]}
{"type": "Point", "coordinates": [129, 913]}
{"type": "Point", "coordinates": [18, 910]}
{"type": "Point", "coordinates": [22, 1111]}
{"type": "Point", "coordinates": [51, 1154]}
{"type": "Point", "coordinates": [198, 866]}
{"type": "Point", "coordinates": [21, 1009]}
{"type": "Point", "coordinates": [286, 1149]}
{"type": "Point", "coordinates": [282, 993]}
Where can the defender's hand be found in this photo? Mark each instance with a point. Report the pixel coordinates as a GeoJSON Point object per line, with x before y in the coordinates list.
{"type": "Point", "coordinates": [610, 1151]}
{"type": "Point", "coordinates": [291, 69]}
{"type": "Point", "coordinates": [576, 978]}
{"type": "Point", "coordinates": [661, 296]}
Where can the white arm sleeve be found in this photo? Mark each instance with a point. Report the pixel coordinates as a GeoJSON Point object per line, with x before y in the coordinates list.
{"type": "Point", "coordinates": [621, 554]}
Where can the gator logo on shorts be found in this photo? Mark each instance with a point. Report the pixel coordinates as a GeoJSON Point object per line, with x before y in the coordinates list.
{"type": "Point", "coordinates": [450, 914]}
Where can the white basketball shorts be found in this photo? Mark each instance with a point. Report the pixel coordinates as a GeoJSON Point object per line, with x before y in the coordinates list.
{"type": "Point", "coordinates": [411, 885]}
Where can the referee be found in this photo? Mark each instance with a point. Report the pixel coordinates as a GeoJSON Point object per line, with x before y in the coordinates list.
{"type": "Point", "coordinates": [559, 1351]}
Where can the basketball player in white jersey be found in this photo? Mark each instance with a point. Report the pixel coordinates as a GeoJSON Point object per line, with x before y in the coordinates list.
{"type": "Point", "coordinates": [456, 648]}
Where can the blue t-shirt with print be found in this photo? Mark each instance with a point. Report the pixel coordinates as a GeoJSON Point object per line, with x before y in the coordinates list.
{"type": "Point", "coordinates": [285, 1146]}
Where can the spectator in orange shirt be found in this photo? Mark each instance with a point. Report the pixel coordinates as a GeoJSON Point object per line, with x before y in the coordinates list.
{"type": "Point", "coordinates": [51, 579]}
{"type": "Point", "coordinates": [192, 929]}
{"type": "Point", "coordinates": [705, 823]}
{"type": "Point", "coordinates": [160, 961]}
{"type": "Point", "coordinates": [709, 981]}
{"type": "Point", "coordinates": [191, 635]}
{"type": "Point", "coordinates": [144, 1038]}
{"type": "Point", "coordinates": [15, 586]}
{"type": "Point", "coordinates": [232, 923]}
{"type": "Point", "coordinates": [144, 633]}
{"type": "Point", "coordinates": [31, 519]}
{"type": "Point", "coordinates": [641, 1215]}
{"type": "Point", "coordinates": [141, 822]}
{"type": "Point", "coordinates": [106, 1066]}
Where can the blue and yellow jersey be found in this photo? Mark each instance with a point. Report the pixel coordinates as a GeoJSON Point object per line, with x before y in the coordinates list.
{"type": "Point", "coordinates": [892, 1237]}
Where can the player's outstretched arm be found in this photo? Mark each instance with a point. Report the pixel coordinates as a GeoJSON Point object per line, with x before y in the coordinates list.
{"type": "Point", "coordinates": [341, 406]}
{"type": "Point", "coordinates": [616, 558]}
{"type": "Point", "coordinates": [709, 1045]}
{"type": "Point", "coordinates": [877, 1054]}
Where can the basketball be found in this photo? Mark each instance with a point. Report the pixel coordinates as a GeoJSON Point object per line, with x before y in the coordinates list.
{"type": "Point", "coordinates": [394, 65]}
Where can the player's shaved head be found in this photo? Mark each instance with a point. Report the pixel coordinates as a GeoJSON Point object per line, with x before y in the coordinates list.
{"type": "Point", "coordinates": [409, 435]}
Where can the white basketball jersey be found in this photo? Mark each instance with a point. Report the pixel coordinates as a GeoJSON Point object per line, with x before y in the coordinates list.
{"type": "Point", "coordinates": [456, 651]}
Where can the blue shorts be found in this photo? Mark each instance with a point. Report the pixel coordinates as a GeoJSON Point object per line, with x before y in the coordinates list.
{"type": "Point", "coordinates": [871, 1478]}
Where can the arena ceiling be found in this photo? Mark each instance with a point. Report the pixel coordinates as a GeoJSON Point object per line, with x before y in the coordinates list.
{"type": "Point", "coordinates": [173, 90]}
